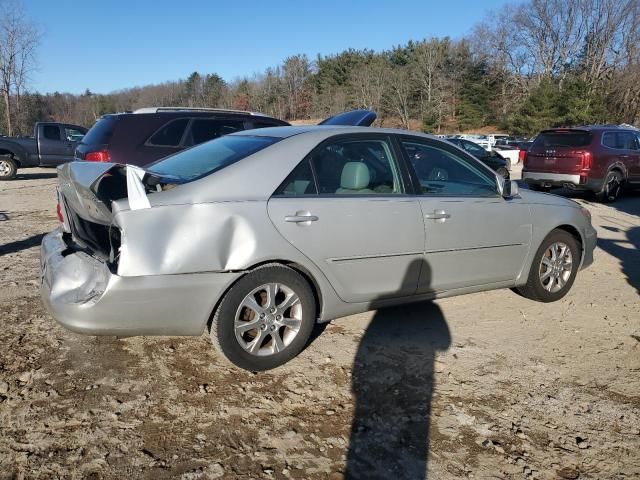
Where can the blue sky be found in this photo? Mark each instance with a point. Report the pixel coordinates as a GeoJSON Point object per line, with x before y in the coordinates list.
{"type": "Point", "coordinates": [112, 44]}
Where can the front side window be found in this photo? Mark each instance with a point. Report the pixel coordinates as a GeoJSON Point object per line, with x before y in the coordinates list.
{"type": "Point", "coordinates": [51, 132]}
{"type": "Point", "coordinates": [441, 171]}
{"type": "Point", "coordinates": [205, 129]}
{"type": "Point", "coordinates": [169, 134]}
{"type": "Point", "coordinates": [358, 166]}
{"type": "Point", "coordinates": [209, 157]}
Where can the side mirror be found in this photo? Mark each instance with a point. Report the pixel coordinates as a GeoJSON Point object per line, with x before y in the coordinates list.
{"type": "Point", "coordinates": [510, 189]}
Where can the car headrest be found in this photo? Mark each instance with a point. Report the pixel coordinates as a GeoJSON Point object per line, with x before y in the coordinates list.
{"type": "Point", "coordinates": [355, 176]}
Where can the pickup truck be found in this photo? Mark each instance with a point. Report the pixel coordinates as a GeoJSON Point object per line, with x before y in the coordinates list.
{"type": "Point", "coordinates": [52, 144]}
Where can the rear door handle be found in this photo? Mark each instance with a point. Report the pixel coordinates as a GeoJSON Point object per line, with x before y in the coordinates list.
{"type": "Point", "coordinates": [300, 218]}
{"type": "Point", "coordinates": [438, 215]}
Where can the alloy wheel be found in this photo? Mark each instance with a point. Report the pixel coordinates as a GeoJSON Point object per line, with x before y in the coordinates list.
{"type": "Point", "coordinates": [555, 267]}
{"type": "Point", "coordinates": [268, 319]}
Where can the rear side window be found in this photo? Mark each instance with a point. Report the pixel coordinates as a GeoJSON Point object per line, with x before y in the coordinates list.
{"type": "Point", "coordinates": [299, 182]}
{"type": "Point", "coordinates": [205, 129]}
{"type": "Point", "coordinates": [169, 134]}
{"type": "Point", "coordinates": [563, 139]}
{"type": "Point", "coordinates": [619, 140]}
{"type": "Point", "coordinates": [209, 157]}
{"type": "Point", "coordinates": [101, 131]}
{"type": "Point", "coordinates": [51, 132]}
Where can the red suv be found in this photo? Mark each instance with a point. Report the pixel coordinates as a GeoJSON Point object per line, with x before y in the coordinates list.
{"type": "Point", "coordinates": [601, 159]}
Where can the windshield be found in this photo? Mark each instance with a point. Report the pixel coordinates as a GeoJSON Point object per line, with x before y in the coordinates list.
{"type": "Point", "coordinates": [209, 157]}
{"type": "Point", "coordinates": [575, 138]}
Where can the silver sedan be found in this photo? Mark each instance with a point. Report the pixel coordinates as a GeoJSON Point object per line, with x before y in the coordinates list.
{"type": "Point", "coordinates": [257, 236]}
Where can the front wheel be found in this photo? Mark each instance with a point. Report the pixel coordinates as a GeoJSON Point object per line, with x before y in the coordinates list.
{"type": "Point", "coordinates": [265, 319]}
{"type": "Point", "coordinates": [554, 268]}
{"type": "Point", "coordinates": [8, 168]}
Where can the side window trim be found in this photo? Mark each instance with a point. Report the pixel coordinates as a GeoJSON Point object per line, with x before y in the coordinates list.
{"type": "Point", "coordinates": [443, 145]}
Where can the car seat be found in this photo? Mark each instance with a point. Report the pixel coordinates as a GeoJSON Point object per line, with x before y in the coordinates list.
{"type": "Point", "coordinates": [354, 179]}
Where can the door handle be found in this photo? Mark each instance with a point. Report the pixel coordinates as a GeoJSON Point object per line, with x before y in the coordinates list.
{"type": "Point", "coordinates": [438, 215]}
{"type": "Point", "coordinates": [300, 218]}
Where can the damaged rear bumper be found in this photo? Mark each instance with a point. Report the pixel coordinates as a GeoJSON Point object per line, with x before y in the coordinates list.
{"type": "Point", "coordinates": [84, 296]}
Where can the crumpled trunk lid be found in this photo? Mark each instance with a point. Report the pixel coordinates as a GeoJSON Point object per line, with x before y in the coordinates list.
{"type": "Point", "coordinates": [77, 188]}
{"type": "Point", "coordinates": [86, 191]}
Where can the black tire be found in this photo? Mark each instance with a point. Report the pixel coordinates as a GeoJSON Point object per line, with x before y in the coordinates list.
{"type": "Point", "coordinates": [534, 288]}
{"type": "Point", "coordinates": [611, 188]}
{"type": "Point", "coordinates": [8, 168]}
{"type": "Point", "coordinates": [539, 188]}
{"type": "Point", "coordinates": [503, 172]}
{"type": "Point", "coordinates": [223, 331]}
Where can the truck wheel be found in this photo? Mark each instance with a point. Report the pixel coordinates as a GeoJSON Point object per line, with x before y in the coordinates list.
{"type": "Point", "coordinates": [265, 319]}
{"type": "Point", "coordinates": [8, 168]}
{"type": "Point", "coordinates": [612, 187]}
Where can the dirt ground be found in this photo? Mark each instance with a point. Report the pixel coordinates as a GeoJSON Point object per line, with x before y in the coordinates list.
{"type": "Point", "coordinates": [488, 385]}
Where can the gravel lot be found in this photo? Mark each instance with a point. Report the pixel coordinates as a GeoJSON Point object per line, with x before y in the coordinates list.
{"type": "Point", "coordinates": [488, 385]}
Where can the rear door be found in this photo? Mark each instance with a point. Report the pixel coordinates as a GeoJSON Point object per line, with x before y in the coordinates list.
{"type": "Point", "coordinates": [558, 151]}
{"type": "Point", "coordinates": [346, 208]}
{"type": "Point", "coordinates": [473, 235]}
{"type": "Point", "coordinates": [53, 149]}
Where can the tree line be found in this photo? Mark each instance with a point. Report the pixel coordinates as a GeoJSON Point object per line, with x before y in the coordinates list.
{"type": "Point", "coordinates": [528, 66]}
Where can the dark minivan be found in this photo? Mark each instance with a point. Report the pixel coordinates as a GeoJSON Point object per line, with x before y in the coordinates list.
{"type": "Point", "coordinates": [601, 159]}
{"type": "Point", "coordinates": [149, 134]}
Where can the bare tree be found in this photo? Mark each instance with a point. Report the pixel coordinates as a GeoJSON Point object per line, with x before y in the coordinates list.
{"type": "Point", "coordinates": [296, 70]}
{"type": "Point", "coordinates": [19, 38]}
{"type": "Point", "coordinates": [400, 93]}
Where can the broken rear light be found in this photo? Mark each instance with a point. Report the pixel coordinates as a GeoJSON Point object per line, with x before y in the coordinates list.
{"type": "Point", "coordinates": [99, 156]}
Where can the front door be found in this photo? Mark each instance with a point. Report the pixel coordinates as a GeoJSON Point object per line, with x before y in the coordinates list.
{"type": "Point", "coordinates": [345, 208]}
{"type": "Point", "coordinates": [473, 235]}
{"type": "Point", "coordinates": [51, 146]}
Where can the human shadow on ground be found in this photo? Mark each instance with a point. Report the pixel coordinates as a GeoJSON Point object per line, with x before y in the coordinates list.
{"type": "Point", "coordinates": [392, 382]}
{"type": "Point", "coordinates": [627, 251]}
{"type": "Point", "coordinates": [18, 245]}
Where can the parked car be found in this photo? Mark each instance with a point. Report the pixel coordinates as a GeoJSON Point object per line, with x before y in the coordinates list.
{"type": "Point", "coordinates": [481, 140]}
{"type": "Point", "coordinates": [52, 143]}
{"type": "Point", "coordinates": [148, 134]}
{"type": "Point", "coordinates": [492, 159]}
{"type": "Point", "coordinates": [601, 159]}
{"type": "Point", "coordinates": [260, 234]}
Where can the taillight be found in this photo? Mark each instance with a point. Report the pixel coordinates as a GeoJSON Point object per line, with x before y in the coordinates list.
{"type": "Point", "coordinates": [522, 155]}
{"type": "Point", "coordinates": [59, 213]}
{"type": "Point", "coordinates": [99, 156]}
{"type": "Point", "coordinates": [587, 160]}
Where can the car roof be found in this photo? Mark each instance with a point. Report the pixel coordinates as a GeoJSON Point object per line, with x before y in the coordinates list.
{"type": "Point", "coordinates": [324, 130]}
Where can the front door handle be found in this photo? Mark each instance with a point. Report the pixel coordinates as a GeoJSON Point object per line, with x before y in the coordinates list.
{"type": "Point", "coordinates": [438, 215]}
{"type": "Point", "coordinates": [301, 217]}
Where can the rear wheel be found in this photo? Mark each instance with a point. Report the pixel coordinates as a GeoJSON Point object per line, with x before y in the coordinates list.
{"type": "Point", "coordinates": [539, 188]}
{"type": "Point", "coordinates": [554, 268]}
{"type": "Point", "coordinates": [8, 168]}
{"type": "Point", "coordinates": [265, 319]}
{"type": "Point", "coordinates": [612, 187]}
